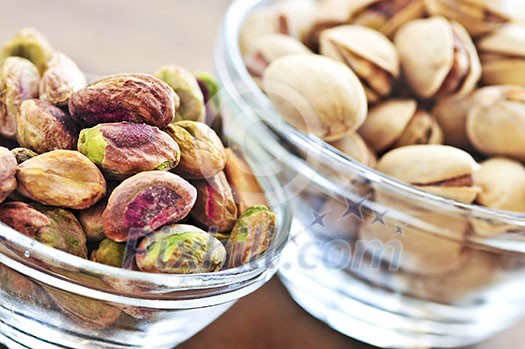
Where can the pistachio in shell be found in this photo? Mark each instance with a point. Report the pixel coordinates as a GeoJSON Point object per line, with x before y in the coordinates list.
{"type": "Point", "coordinates": [270, 47]}
{"type": "Point", "coordinates": [29, 44]}
{"type": "Point", "coordinates": [19, 80]}
{"type": "Point", "coordinates": [187, 88]}
{"type": "Point", "coordinates": [502, 183]}
{"type": "Point", "coordinates": [139, 98]}
{"type": "Point", "coordinates": [109, 253]}
{"type": "Point", "coordinates": [23, 154]}
{"type": "Point", "coordinates": [298, 86]}
{"type": "Point", "coordinates": [43, 127]}
{"type": "Point", "coordinates": [61, 79]}
{"type": "Point", "coordinates": [438, 169]}
{"type": "Point", "coordinates": [215, 208]}
{"type": "Point", "coordinates": [55, 227]}
{"type": "Point", "coordinates": [8, 166]}
{"type": "Point", "coordinates": [210, 90]}
{"type": "Point", "coordinates": [202, 152]}
{"type": "Point", "coordinates": [63, 178]}
{"type": "Point", "coordinates": [145, 202]}
{"type": "Point", "coordinates": [368, 53]}
{"type": "Point", "coordinates": [256, 25]}
{"type": "Point", "coordinates": [22, 289]}
{"type": "Point", "coordinates": [396, 123]}
{"type": "Point", "coordinates": [354, 146]}
{"type": "Point", "coordinates": [91, 221]}
{"type": "Point", "coordinates": [251, 236]}
{"type": "Point", "coordinates": [246, 189]}
{"type": "Point", "coordinates": [445, 62]}
{"type": "Point", "coordinates": [496, 121]}
{"type": "Point", "coordinates": [180, 249]}
{"type": "Point", "coordinates": [123, 149]}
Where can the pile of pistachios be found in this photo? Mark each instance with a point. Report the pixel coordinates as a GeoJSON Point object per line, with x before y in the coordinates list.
{"type": "Point", "coordinates": [430, 92]}
{"type": "Point", "coordinates": [124, 170]}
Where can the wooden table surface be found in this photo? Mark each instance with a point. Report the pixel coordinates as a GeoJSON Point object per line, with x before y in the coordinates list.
{"type": "Point", "coordinates": [115, 36]}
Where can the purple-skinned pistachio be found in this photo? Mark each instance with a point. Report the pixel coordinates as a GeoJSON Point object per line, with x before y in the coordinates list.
{"type": "Point", "coordinates": [8, 166]}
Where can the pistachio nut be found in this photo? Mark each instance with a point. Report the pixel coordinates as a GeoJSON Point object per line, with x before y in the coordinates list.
{"type": "Point", "coordinates": [109, 253]}
{"type": "Point", "coordinates": [22, 289]}
{"type": "Point", "coordinates": [85, 311]}
{"type": "Point", "coordinates": [355, 147]}
{"type": "Point", "coordinates": [123, 149]}
{"type": "Point", "coordinates": [295, 17]}
{"type": "Point", "coordinates": [23, 154]}
{"type": "Point", "coordinates": [503, 184]}
{"type": "Point", "coordinates": [91, 221]}
{"type": "Point", "coordinates": [29, 44]}
{"type": "Point", "coordinates": [246, 189]}
{"type": "Point", "coordinates": [210, 90]}
{"type": "Point", "coordinates": [251, 236]}
{"type": "Point", "coordinates": [256, 25]}
{"type": "Point", "coordinates": [146, 202]}
{"type": "Point", "coordinates": [8, 166]}
{"type": "Point", "coordinates": [368, 53]}
{"type": "Point", "coordinates": [445, 63]}
{"type": "Point", "coordinates": [386, 16]}
{"type": "Point", "coordinates": [451, 115]}
{"type": "Point", "coordinates": [416, 250]}
{"type": "Point", "coordinates": [479, 16]}
{"type": "Point", "coordinates": [19, 80]}
{"type": "Point", "coordinates": [139, 98]}
{"type": "Point", "coordinates": [55, 227]}
{"type": "Point", "coordinates": [502, 56]}
{"type": "Point", "coordinates": [61, 178]}
{"type": "Point", "coordinates": [396, 123]}
{"type": "Point", "coordinates": [202, 152]}
{"type": "Point", "coordinates": [187, 88]}
{"type": "Point", "coordinates": [180, 249]}
{"type": "Point", "coordinates": [61, 79]}
{"type": "Point", "coordinates": [298, 86]}
{"type": "Point", "coordinates": [439, 169]}
{"type": "Point", "coordinates": [496, 122]}
{"type": "Point", "coordinates": [42, 127]}
{"type": "Point", "coordinates": [269, 48]}
{"type": "Point", "coordinates": [215, 208]}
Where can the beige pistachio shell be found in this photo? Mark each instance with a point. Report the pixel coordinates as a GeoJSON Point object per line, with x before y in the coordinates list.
{"type": "Point", "coordinates": [256, 25]}
{"type": "Point", "coordinates": [386, 122]}
{"type": "Point", "coordinates": [503, 183]}
{"type": "Point", "coordinates": [299, 86]}
{"type": "Point", "coordinates": [355, 147]}
{"type": "Point", "coordinates": [422, 129]}
{"type": "Point", "coordinates": [474, 73]}
{"type": "Point", "coordinates": [464, 194]}
{"type": "Point", "coordinates": [269, 48]}
{"type": "Point", "coordinates": [496, 124]}
{"type": "Point", "coordinates": [504, 71]}
{"type": "Point", "coordinates": [451, 115]}
{"type": "Point", "coordinates": [295, 17]}
{"type": "Point", "coordinates": [508, 40]}
{"type": "Point", "coordinates": [427, 164]}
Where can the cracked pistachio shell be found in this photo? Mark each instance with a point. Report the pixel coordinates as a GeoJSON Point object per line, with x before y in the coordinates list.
{"type": "Point", "coordinates": [368, 53]}
{"type": "Point", "coordinates": [422, 129]}
{"type": "Point", "coordinates": [256, 25]}
{"type": "Point", "coordinates": [496, 123]}
{"type": "Point", "coordinates": [446, 61]}
{"type": "Point", "coordinates": [61, 79]}
{"type": "Point", "coordinates": [503, 184]}
{"type": "Point", "coordinates": [354, 146]}
{"type": "Point", "coordinates": [29, 44]}
{"type": "Point", "coordinates": [109, 253]}
{"type": "Point", "coordinates": [187, 88]}
{"type": "Point", "coordinates": [123, 149]}
{"type": "Point", "coordinates": [251, 236]}
{"type": "Point", "coordinates": [442, 170]}
{"type": "Point", "coordinates": [215, 208]}
{"type": "Point", "coordinates": [18, 81]}
{"type": "Point", "coordinates": [55, 227]}
{"type": "Point", "coordinates": [23, 154]}
{"type": "Point", "coordinates": [480, 16]}
{"type": "Point", "coordinates": [202, 152]}
{"type": "Point", "coordinates": [269, 48]}
{"type": "Point", "coordinates": [417, 250]}
{"type": "Point", "coordinates": [139, 98]}
{"type": "Point", "coordinates": [146, 202]}
{"type": "Point", "coordinates": [503, 56]}
{"type": "Point", "coordinates": [61, 178]}
{"type": "Point", "coordinates": [43, 127]}
{"type": "Point", "coordinates": [295, 17]}
{"type": "Point", "coordinates": [91, 221]}
{"type": "Point", "coordinates": [316, 94]}
{"type": "Point", "coordinates": [180, 249]}
{"type": "Point", "coordinates": [246, 189]}
{"type": "Point", "coordinates": [8, 166]}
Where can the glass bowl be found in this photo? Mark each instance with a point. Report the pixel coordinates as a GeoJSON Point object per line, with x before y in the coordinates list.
{"type": "Point", "coordinates": [374, 258]}
{"type": "Point", "coordinates": [51, 299]}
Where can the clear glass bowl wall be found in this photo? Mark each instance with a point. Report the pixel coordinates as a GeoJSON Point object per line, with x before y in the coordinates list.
{"type": "Point", "coordinates": [51, 299]}
{"type": "Point", "coordinates": [374, 258]}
